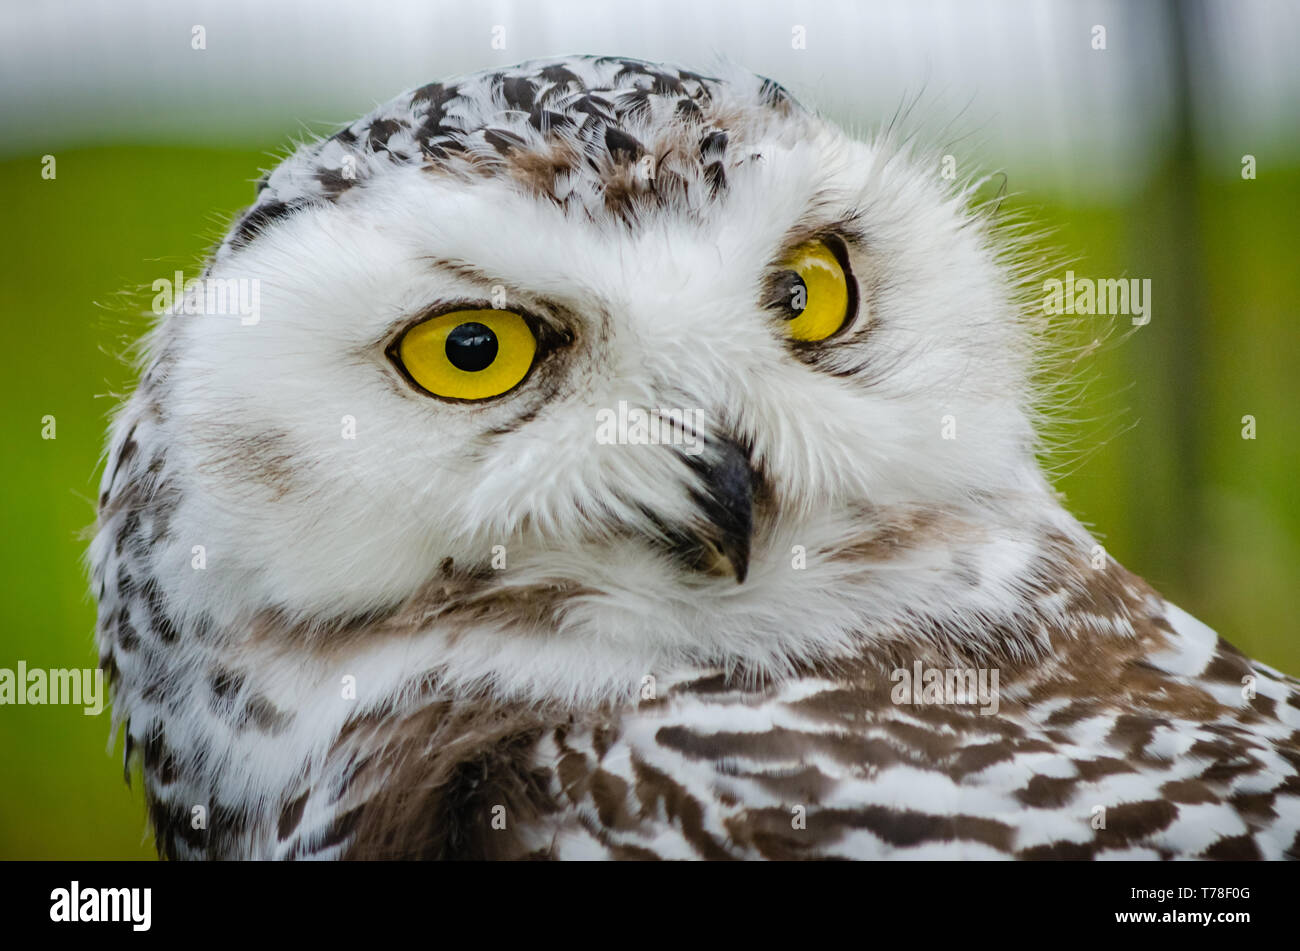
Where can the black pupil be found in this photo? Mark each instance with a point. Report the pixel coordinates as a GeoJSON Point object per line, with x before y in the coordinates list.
{"type": "Point", "coordinates": [789, 294]}
{"type": "Point", "coordinates": [471, 347]}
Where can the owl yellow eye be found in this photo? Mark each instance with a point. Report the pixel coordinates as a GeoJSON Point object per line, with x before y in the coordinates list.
{"type": "Point", "coordinates": [467, 354]}
{"type": "Point", "coordinates": [812, 292]}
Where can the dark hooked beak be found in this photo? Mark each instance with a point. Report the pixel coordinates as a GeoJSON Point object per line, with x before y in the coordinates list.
{"type": "Point", "coordinates": [719, 543]}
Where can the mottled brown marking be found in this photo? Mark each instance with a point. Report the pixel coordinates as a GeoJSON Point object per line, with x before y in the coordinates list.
{"type": "Point", "coordinates": [609, 795]}
{"type": "Point", "coordinates": [437, 777]}
{"type": "Point", "coordinates": [1241, 848]}
{"type": "Point", "coordinates": [1133, 732]}
{"type": "Point", "coordinates": [291, 815]}
{"type": "Point", "coordinates": [264, 715]}
{"type": "Point", "coordinates": [1058, 852]}
{"type": "Point", "coordinates": [1048, 792]}
{"type": "Point", "coordinates": [780, 744]}
{"type": "Point", "coordinates": [1091, 770]}
{"type": "Point", "coordinates": [657, 791]}
{"type": "Point", "coordinates": [1187, 791]}
{"type": "Point", "coordinates": [1130, 822]}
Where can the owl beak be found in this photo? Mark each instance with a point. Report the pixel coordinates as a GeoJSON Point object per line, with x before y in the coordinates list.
{"type": "Point", "coordinates": [725, 495]}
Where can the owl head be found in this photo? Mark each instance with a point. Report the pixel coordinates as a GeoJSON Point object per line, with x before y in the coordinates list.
{"type": "Point", "coordinates": [559, 372]}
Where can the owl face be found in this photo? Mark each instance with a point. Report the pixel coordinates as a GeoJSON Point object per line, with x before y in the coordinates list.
{"type": "Point", "coordinates": [574, 337]}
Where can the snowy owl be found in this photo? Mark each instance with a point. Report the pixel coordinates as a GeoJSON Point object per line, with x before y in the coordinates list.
{"type": "Point", "coordinates": [624, 462]}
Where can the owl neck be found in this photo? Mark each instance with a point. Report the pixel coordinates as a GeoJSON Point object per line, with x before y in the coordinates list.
{"type": "Point", "coordinates": [993, 584]}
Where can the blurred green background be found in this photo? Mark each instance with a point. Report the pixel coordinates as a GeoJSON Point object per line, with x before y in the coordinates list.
{"type": "Point", "coordinates": [1153, 458]}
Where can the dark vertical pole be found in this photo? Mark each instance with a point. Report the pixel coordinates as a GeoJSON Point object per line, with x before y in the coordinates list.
{"type": "Point", "coordinates": [1167, 236]}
